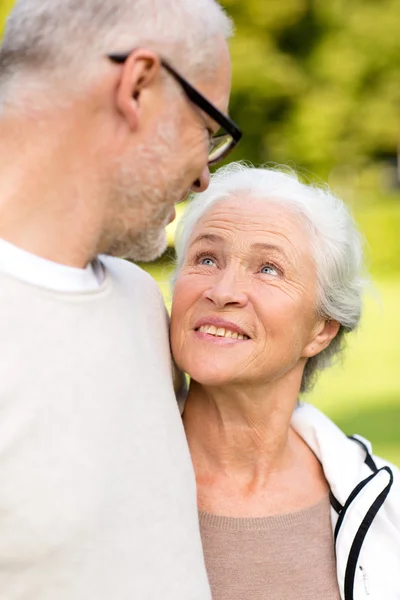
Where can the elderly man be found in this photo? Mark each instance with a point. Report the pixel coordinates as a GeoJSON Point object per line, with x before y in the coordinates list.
{"type": "Point", "coordinates": [101, 133]}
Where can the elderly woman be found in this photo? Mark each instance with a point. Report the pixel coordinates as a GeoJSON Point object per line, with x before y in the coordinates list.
{"type": "Point", "coordinates": [268, 284]}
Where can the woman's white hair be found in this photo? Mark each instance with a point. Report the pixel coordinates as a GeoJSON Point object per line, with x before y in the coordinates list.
{"type": "Point", "coordinates": [50, 35]}
{"type": "Point", "coordinates": [335, 242]}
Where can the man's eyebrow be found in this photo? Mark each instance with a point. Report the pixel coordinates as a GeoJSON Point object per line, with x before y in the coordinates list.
{"type": "Point", "coordinates": [208, 237]}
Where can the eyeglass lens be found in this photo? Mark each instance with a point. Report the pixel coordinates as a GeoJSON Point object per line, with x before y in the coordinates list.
{"type": "Point", "coordinates": [219, 146]}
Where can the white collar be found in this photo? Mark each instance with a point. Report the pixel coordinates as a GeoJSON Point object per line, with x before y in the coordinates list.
{"type": "Point", "coordinates": [33, 269]}
{"type": "Point", "coordinates": [342, 460]}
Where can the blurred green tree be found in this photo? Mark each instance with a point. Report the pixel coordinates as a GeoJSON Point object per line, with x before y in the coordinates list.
{"type": "Point", "coordinates": [5, 8]}
{"type": "Point", "coordinates": [316, 82]}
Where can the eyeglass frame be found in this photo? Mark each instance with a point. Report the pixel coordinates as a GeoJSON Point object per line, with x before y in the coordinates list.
{"type": "Point", "coordinates": [200, 101]}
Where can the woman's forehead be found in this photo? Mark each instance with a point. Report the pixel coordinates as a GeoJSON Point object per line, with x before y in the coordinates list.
{"type": "Point", "coordinates": [255, 217]}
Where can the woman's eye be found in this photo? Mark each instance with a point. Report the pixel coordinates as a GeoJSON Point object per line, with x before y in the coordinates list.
{"type": "Point", "coordinates": [207, 261]}
{"type": "Point", "coordinates": [269, 270]}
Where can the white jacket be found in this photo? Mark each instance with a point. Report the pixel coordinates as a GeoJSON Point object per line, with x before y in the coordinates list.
{"type": "Point", "coordinates": [365, 508]}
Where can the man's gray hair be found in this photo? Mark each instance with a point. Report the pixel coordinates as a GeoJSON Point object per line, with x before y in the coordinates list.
{"type": "Point", "coordinates": [43, 36]}
{"type": "Point", "coordinates": [335, 241]}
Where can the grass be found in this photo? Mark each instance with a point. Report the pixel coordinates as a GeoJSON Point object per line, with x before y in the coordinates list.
{"type": "Point", "coordinates": [362, 392]}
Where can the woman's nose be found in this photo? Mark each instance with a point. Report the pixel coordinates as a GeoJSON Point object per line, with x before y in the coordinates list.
{"type": "Point", "coordinates": [202, 183]}
{"type": "Point", "coordinates": [226, 291]}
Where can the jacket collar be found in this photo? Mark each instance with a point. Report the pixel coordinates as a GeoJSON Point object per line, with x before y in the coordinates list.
{"type": "Point", "coordinates": [342, 460]}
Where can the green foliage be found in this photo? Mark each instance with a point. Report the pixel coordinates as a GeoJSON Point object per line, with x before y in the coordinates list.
{"type": "Point", "coordinates": [317, 83]}
{"type": "Point", "coordinates": [381, 227]}
{"type": "Point", "coordinates": [5, 8]}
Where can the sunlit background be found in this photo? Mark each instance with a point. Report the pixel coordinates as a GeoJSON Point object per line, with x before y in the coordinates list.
{"type": "Point", "coordinates": [317, 86]}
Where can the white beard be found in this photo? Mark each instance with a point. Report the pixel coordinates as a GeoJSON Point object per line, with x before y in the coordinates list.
{"type": "Point", "coordinates": [146, 246]}
{"type": "Point", "coordinates": [142, 200]}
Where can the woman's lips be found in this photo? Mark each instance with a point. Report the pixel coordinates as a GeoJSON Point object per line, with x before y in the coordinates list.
{"type": "Point", "coordinates": [217, 323]}
{"type": "Point", "coordinates": [218, 339]}
{"type": "Point", "coordinates": [219, 331]}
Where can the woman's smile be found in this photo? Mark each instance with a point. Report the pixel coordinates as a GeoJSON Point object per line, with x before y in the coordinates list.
{"type": "Point", "coordinates": [219, 331]}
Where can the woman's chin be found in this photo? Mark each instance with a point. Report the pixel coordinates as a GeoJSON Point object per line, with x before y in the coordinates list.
{"type": "Point", "coordinates": [211, 377]}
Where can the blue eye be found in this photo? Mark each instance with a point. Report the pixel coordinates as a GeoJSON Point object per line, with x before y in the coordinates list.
{"type": "Point", "coordinates": [207, 261]}
{"type": "Point", "coordinates": [269, 270]}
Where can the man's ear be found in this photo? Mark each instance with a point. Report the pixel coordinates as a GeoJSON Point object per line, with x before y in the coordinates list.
{"type": "Point", "coordinates": [323, 335]}
{"type": "Point", "coordinates": [139, 71]}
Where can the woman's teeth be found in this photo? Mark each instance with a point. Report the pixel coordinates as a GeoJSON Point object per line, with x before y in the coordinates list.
{"type": "Point", "coordinates": [222, 332]}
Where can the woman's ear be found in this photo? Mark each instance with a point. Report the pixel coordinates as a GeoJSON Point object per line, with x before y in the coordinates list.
{"type": "Point", "coordinates": [324, 334]}
{"type": "Point", "coordinates": [138, 73]}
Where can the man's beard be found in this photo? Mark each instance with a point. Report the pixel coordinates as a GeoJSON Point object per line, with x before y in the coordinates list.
{"type": "Point", "coordinates": [145, 246]}
{"type": "Point", "coordinates": [142, 200]}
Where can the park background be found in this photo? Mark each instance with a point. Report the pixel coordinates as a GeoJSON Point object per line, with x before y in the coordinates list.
{"type": "Point", "coordinates": [316, 85]}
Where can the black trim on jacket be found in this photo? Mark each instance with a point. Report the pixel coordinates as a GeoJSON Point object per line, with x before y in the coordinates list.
{"type": "Point", "coordinates": [367, 521]}
{"type": "Point", "coordinates": [335, 503]}
{"type": "Point", "coordinates": [369, 461]}
{"type": "Point", "coordinates": [361, 533]}
{"type": "Point", "coordinates": [359, 487]}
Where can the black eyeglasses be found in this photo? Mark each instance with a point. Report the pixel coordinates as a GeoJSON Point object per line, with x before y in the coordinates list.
{"type": "Point", "coordinates": [220, 145]}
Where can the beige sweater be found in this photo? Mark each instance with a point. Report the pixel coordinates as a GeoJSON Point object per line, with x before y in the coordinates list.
{"type": "Point", "coordinates": [287, 557]}
{"type": "Point", "coordinates": [97, 491]}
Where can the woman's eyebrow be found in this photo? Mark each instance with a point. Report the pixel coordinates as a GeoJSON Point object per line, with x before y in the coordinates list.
{"type": "Point", "coordinates": [208, 237]}
{"type": "Point", "coordinates": [269, 247]}
{"type": "Point", "coordinates": [218, 239]}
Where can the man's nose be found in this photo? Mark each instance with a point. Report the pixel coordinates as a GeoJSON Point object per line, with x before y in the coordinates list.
{"type": "Point", "coordinates": [202, 183]}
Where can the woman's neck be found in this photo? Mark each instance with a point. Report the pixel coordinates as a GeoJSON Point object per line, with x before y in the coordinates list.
{"type": "Point", "coordinates": [241, 432]}
{"type": "Point", "coordinates": [247, 459]}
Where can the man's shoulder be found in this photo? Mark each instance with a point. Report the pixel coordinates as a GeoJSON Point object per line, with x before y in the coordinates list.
{"type": "Point", "coordinates": [127, 271]}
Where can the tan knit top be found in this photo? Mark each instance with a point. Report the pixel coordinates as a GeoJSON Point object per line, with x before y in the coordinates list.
{"type": "Point", "coordinates": [282, 557]}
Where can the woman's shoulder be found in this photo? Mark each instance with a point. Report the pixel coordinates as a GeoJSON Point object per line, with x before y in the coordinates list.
{"type": "Point", "coordinates": [346, 459]}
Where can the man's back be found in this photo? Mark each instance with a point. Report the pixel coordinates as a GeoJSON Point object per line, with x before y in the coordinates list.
{"type": "Point", "coordinates": [98, 496]}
